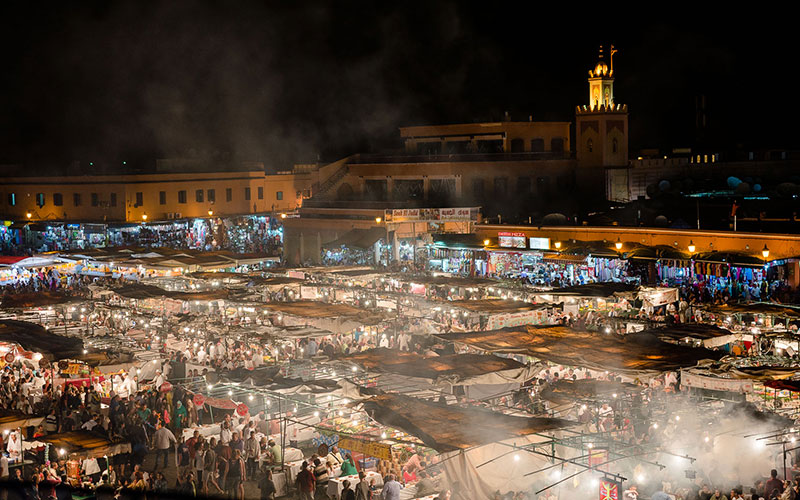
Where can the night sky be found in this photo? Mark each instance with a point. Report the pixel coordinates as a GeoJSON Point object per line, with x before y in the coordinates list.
{"type": "Point", "coordinates": [290, 81]}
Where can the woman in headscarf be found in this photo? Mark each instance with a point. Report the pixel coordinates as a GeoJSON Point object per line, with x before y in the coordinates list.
{"type": "Point", "coordinates": [181, 416]}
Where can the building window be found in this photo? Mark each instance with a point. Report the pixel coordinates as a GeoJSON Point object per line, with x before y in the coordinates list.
{"type": "Point", "coordinates": [500, 186]}
{"type": "Point", "coordinates": [182, 196]}
{"type": "Point", "coordinates": [139, 199]}
{"type": "Point", "coordinates": [517, 145]}
{"type": "Point", "coordinates": [76, 199]}
{"type": "Point", "coordinates": [198, 196]}
{"type": "Point", "coordinates": [162, 197]}
{"type": "Point", "coordinates": [228, 194]}
{"type": "Point", "coordinates": [95, 200]}
{"type": "Point", "coordinates": [113, 201]}
{"type": "Point", "coordinates": [523, 185]}
{"type": "Point", "coordinates": [58, 199]}
{"type": "Point", "coordinates": [590, 145]}
{"type": "Point", "coordinates": [537, 145]}
{"type": "Point", "coordinates": [477, 189]}
{"type": "Point", "coordinates": [12, 199]}
{"type": "Point", "coordinates": [557, 144]}
{"type": "Point", "coordinates": [212, 196]}
{"type": "Point", "coordinates": [279, 195]}
{"type": "Point", "coordinates": [40, 199]}
{"type": "Point", "coordinates": [614, 146]}
{"type": "Point", "coordinates": [247, 194]}
{"type": "Point", "coordinates": [260, 193]}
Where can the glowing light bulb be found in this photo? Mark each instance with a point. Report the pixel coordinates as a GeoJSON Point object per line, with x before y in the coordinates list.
{"type": "Point", "coordinates": [516, 457]}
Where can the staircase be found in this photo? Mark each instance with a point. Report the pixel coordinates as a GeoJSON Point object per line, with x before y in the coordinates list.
{"type": "Point", "coordinates": [331, 182]}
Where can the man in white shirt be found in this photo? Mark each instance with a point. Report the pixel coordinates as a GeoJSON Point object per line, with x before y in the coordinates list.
{"type": "Point", "coordinates": [159, 380]}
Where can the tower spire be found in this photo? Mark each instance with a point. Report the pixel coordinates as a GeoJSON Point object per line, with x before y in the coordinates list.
{"type": "Point", "coordinates": [611, 53]}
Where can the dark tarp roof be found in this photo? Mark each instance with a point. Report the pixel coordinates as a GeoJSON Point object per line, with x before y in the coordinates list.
{"type": "Point", "coordinates": [657, 252]}
{"type": "Point", "coordinates": [695, 330]}
{"type": "Point", "coordinates": [37, 299]}
{"type": "Point", "coordinates": [105, 358]}
{"type": "Point", "coordinates": [138, 291]}
{"type": "Point", "coordinates": [594, 248]}
{"type": "Point", "coordinates": [734, 258]}
{"type": "Point", "coordinates": [415, 365]}
{"type": "Point", "coordinates": [81, 440]}
{"type": "Point", "coordinates": [447, 427]}
{"type": "Point", "coordinates": [568, 391]}
{"type": "Point", "coordinates": [315, 309]}
{"type": "Point", "coordinates": [360, 239]}
{"type": "Point", "coordinates": [634, 353]}
{"type": "Point", "coordinates": [498, 306]}
{"type": "Point", "coordinates": [757, 308]}
{"type": "Point", "coordinates": [447, 280]}
{"type": "Point", "coordinates": [454, 240]}
{"type": "Point", "coordinates": [246, 278]}
{"type": "Point", "coordinates": [606, 289]}
{"type": "Point", "coordinates": [35, 338]}
{"type": "Point", "coordinates": [784, 385]}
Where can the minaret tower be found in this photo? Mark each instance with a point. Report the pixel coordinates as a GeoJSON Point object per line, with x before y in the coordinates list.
{"type": "Point", "coordinates": [602, 125]}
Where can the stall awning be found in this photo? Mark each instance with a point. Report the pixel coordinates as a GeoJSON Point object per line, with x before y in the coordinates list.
{"type": "Point", "coordinates": [780, 310]}
{"type": "Point", "coordinates": [606, 289]}
{"type": "Point", "coordinates": [85, 442]}
{"type": "Point", "coordinates": [633, 354]}
{"type": "Point", "coordinates": [497, 306]}
{"type": "Point", "coordinates": [448, 427]}
{"type": "Point", "coordinates": [731, 258]}
{"type": "Point", "coordinates": [359, 239]}
{"type": "Point", "coordinates": [657, 252]}
{"type": "Point", "coordinates": [468, 241]}
{"type": "Point", "coordinates": [569, 391]}
{"type": "Point", "coordinates": [37, 299]}
{"type": "Point", "coordinates": [138, 291]}
{"type": "Point", "coordinates": [564, 257]}
{"type": "Point", "coordinates": [10, 259]}
{"type": "Point", "coordinates": [33, 337]}
{"type": "Point", "coordinates": [461, 366]}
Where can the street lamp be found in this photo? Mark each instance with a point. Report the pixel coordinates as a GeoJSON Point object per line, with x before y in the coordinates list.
{"type": "Point", "coordinates": [557, 244]}
{"type": "Point", "coordinates": [765, 253]}
{"type": "Point", "coordinates": [29, 215]}
{"type": "Point", "coordinates": [618, 244]}
{"type": "Point", "coordinates": [378, 220]}
{"type": "Point", "coordinates": [210, 213]}
{"type": "Point", "coordinates": [486, 242]}
{"type": "Point", "coordinates": [691, 247]}
{"type": "Point", "coordinates": [283, 216]}
{"type": "Point", "coordinates": [144, 217]}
